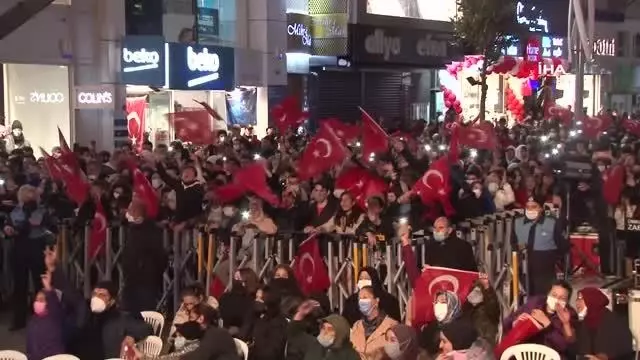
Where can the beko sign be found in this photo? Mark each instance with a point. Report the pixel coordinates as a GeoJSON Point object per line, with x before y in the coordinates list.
{"type": "Point", "coordinates": [94, 97]}
{"type": "Point", "coordinates": [143, 60]}
{"type": "Point", "coordinates": [400, 46]}
{"type": "Point", "coordinates": [197, 67]}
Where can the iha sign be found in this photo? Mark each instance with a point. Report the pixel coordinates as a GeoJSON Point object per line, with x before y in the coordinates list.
{"type": "Point", "coordinates": [555, 70]}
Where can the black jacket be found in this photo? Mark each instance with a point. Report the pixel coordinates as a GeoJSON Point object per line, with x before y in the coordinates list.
{"type": "Point", "coordinates": [143, 257]}
{"type": "Point", "coordinates": [188, 198]}
{"type": "Point", "coordinates": [453, 253]}
{"type": "Point", "coordinates": [216, 344]}
{"type": "Point", "coordinates": [269, 338]}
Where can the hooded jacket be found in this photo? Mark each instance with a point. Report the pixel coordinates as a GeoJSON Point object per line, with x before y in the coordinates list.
{"type": "Point", "coordinates": [388, 303]}
{"type": "Point", "coordinates": [302, 346]}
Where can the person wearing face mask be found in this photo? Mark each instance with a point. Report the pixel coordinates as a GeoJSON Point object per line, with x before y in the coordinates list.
{"type": "Point", "coordinates": [16, 139]}
{"type": "Point", "coordinates": [368, 334]}
{"type": "Point", "coordinates": [32, 230]}
{"type": "Point", "coordinates": [269, 334]}
{"type": "Point", "coordinates": [446, 308]}
{"type": "Point", "coordinates": [188, 336]}
{"type": "Point", "coordinates": [402, 344]}
{"type": "Point", "coordinates": [500, 190]}
{"type": "Point", "coordinates": [448, 250]}
{"type": "Point", "coordinates": [234, 304]}
{"type": "Point", "coordinates": [541, 236]}
{"type": "Point", "coordinates": [388, 303]}
{"type": "Point", "coordinates": [189, 194]}
{"type": "Point", "coordinates": [555, 316]}
{"type": "Point", "coordinates": [216, 343]}
{"type": "Point", "coordinates": [143, 261]}
{"type": "Point", "coordinates": [44, 331]}
{"type": "Point", "coordinates": [192, 295]}
{"type": "Point", "coordinates": [331, 343]}
{"type": "Point", "coordinates": [109, 329]}
{"type": "Point", "coordinates": [601, 334]}
{"type": "Point", "coordinates": [483, 309]}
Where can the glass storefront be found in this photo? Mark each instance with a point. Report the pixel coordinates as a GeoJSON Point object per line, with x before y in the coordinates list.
{"type": "Point", "coordinates": [39, 97]}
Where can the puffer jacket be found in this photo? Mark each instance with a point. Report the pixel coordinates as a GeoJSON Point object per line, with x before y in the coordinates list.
{"type": "Point", "coordinates": [301, 345]}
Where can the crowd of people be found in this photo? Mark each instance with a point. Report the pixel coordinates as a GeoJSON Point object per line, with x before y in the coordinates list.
{"type": "Point", "coordinates": [276, 317]}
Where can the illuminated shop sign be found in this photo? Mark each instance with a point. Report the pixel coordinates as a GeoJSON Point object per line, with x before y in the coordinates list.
{"type": "Point", "coordinates": [143, 60]}
{"type": "Point", "coordinates": [299, 37]}
{"type": "Point", "coordinates": [94, 97]}
{"type": "Point", "coordinates": [197, 67]}
{"type": "Point", "coordinates": [604, 47]}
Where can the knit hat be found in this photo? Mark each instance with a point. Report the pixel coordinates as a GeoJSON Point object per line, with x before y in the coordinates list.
{"type": "Point", "coordinates": [16, 124]}
{"type": "Point", "coordinates": [461, 333]}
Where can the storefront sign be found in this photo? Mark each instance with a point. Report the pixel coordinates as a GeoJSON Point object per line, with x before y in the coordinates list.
{"type": "Point", "coordinates": [298, 33]}
{"type": "Point", "coordinates": [40, 97]}
{"type": "Point", "coordinates": [143, 60]}
{"type": "Point", "coordinates": [207, 24]}
{"type": "Point", "coordinates": [543, 16]}
{"type": "Point", "coordinates": [330, 26]}
{"type": "Point", "coordinates": [554, 47]}
{"type": "Point", "coordinates": [371, 44]}
{"type": "Point", "coordinates": [197, 67]}
{"type": "Point", "coordinates": [604, 47]}
{"type": "Point", "coordinates": [94, 97]}
{"type": "Point", "coordinates": [551, 69]}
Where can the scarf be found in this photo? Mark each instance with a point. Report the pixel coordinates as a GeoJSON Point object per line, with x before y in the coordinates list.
{"type": "Point", "coordinates": [370, 326]}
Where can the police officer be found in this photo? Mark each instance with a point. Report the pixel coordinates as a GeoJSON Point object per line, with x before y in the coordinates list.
{"type": "Point", "coordinates": [542, 236]}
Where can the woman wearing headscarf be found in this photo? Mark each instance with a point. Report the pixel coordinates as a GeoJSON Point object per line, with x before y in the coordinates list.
{"type": "Point", "coordinates": [459, 341]}
{"type": "Point", "coordinates": [368, 334]}
{"type": "Point", "coordinates": [388, 303]}
{"type": "Point", "coordinates": [269, 334]}
{"type": "Point", "coordinates": [446, 309]}
{"type": "Point", "coordinates": [402, 344]}
{"type": "Point", "coordinates": [236, 304]}
{"type": "Point", "coordinates": [483, 309]}
{"type": "Point", "coordinates": [601, 334]}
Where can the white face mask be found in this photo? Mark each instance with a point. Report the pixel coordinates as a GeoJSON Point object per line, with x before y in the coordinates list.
{"type": "Point", "coordinates": [440, 311]}
{"type": "Point", "coordinates": [98, 305]}
{"type": "Point", "coordinates": [582, 314]}
{"type": "Point", "coordinates": [552, 302]}
{"type": "Point", "coordinates": [493, 187]}
{"type": "Point", "coordinates": [602, 168]}
{"type": "Point", "coordinates": [227, 211]}
{"type": "Point", "coordinates": [179, 342]}
{"type": "Point", "coordinates": [156, 183]}
{"type": "Point", "coordinates": [531, 214]}
{"type": "Point", "coordinates": [475, 297]}
{"type": "Point", "coordinates": [477, 192]}
{"type": "Point", "coordinates": [363, 283]}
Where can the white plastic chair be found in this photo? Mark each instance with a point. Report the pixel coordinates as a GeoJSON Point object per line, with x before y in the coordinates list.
{"type": "Point", "coordinates": [12, 355]}
{"type": "Point", "coordinates": [530, 352]}
{"type": "Point", "coordinates": [242, 347]}
{"type": "Point", "coordinates": [151, 346]}
{"type": "Point", "coordinates": [62, 357]}
{"type": "Point", "coordinates": [155, 319]}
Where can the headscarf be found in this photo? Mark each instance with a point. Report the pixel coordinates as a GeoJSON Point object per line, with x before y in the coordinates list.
{"type": "Point", "coordinates": [408, 341]}
{"type": "Point", "coordinates": [596, 303]}
{"type": "Point", "coordinates": [453, 306]}
{"type": "Point", "coordinates": [460, 333]}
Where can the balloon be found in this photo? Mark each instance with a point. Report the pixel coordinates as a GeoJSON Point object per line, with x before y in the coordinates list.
{"type": "Point", "coordinates": [447, 103]}
{"type": "Point", "coordinates": [452, 97]}
{"type": "Point", "coordinates": [467, 64]}
{"type": "Point", "coordinates": [456, 103]}
{"type": "Point", "coordinates": [473, 60]}
{"type": "Point", "coordinates": [458, 110]}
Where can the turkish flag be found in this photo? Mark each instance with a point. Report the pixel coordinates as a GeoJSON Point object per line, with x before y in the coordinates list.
{"type": "Point", "coordinates": [324, 151]}
{"type": "Point", "coordinates": [480, 136]}
{"type": "Point", "coordinates": [143, 190]}
{"type": "Point", "coordinates": [192, 126]}
{"type": "Point", "coordinates": [564, 114]}
{"type": "Point", "coordinates": [374, 139]}
{"type": "Point", "coordinates": [521, 332]}
{"type": "Point", "coordinates": [631, 126]}
{"type": "Point", "coordinates": [612, 184]}
{"type": "Point", "coordinates": [346, 132]}
{"type": "Point", "coordinates": [53, 168]}
{"type": "Point", "coordinates": [435, 185]}
{"type": "Point", "coordinates": [229, 192]}
{"type": "Point", "coordinates": [595, 125]}
{"type": "Point", "coordinates": [310, 269]}
{"type": "Point", "coordinates": [98, 231]}
{"type": "Point", "coordinates": [136, 117]}
{"type": "Point", "coordinates": [253, 178]}
{"type": "Point", "coordinates": [68, 168]}
{"type": "Point", "coordinates": [214, 114]}
{"type": "Point", "coordinates": [433, 281]}
{"type": "Point", "coordinates": [217, 287]}
{"type": "Point", "coordinates": [288, 114]}
{"type": "Point", "coordinates": [361, 184]}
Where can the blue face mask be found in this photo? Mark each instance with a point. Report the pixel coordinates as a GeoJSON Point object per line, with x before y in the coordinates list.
{"type": "Point", "coordinates": [439, 236]}
{"type": "Point", "coordinates": [365, 306]}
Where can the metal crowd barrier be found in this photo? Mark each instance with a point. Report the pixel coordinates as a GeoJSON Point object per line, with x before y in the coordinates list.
{"type": "Point", "coordinates": [195, 255]}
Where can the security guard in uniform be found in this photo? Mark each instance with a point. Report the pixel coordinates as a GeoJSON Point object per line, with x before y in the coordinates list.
{"type": "Point", "coordinates": [542, 236]}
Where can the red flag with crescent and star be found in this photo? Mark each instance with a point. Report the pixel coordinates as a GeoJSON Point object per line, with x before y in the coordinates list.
{"type": "Point", "coordinates": [192, 126]}
{"type": "Point", "coordinates": [98, 231]}
{"type": "Point", "coordinates": [480, 136]}
{"type": "Point", "coordinates": [135, 108]}
{"type": "Point", "coordinates": [143, 190]}
{"type": "Point", "coordinates": [288, 114]}
{"type": "Point", "coordinates": [68, 167]}
{"type": "Point", "coordinates": [374, 139]}
{"type": "Point", "coordinates": [564, 114]}
{"type": "Point", "coordinates": [435, 185]}
{"type": "Point", "coordinates": [361, 184]}
{"type": "Point", "coordinates": [310, 269]}
{"type": "Point", "coordinates": [344, 131]}
{"type": "Point", "coordinates": [323, 152]}
{"type": "Point", "coordinates": [434, 280]}
{"type": "Point", "coordinates": [595, 125]}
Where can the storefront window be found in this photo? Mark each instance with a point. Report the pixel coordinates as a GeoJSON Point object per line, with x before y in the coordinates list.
{"type": "Point", "coordinates": [216, 21]}
{"type": "Point", "coordinates": [38, 96]}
